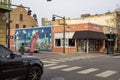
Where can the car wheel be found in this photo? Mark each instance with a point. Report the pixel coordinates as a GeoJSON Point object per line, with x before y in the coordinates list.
{"type": "Point", "coordinates": [34, 73]}
{"type": "Point", "coordinates": [35, 51]}
{"type": "Point", "coordinates": [28, 50]}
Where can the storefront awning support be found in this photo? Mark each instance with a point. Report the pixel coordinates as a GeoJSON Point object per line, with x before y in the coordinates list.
{"type": "Point", "coordinates": [87, 46]}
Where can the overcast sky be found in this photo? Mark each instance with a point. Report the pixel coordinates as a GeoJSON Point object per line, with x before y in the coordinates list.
{"type": "Point", "coordinates": [68, 8]}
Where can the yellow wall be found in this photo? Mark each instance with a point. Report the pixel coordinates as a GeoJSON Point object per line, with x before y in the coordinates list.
{"type": "Point", "coordinates": [2, 29]}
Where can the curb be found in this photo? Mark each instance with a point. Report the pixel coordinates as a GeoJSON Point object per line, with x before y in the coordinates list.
{"type": "Point", "coordinates": [115, 54]}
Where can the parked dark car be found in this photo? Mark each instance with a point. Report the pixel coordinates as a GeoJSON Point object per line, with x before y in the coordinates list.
{"type": "Point", "coordinates": [13, 66]}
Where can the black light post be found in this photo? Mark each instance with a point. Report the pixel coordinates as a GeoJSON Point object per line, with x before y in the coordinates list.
{"type": "Point", "coordinates": [8, 27]}
{"type": "Point", "coordinates": [15, 39]}
{"type": "Point", "coordinates": [53, 19]}
{"type": "Point", "coordinates": [111, 30]}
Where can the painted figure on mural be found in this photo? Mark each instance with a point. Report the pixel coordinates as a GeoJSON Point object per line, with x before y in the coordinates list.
{"type": "Point", "coordinates": [33, 42]}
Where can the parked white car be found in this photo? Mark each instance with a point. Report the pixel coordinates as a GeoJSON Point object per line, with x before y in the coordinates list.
{"type": "Point", "coordinates": [27, 48]}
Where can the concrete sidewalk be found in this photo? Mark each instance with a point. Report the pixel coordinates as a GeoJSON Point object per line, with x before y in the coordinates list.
{"type": "Point", "coordinates": [115, 54]}
{"type": "Point", "coordinates": [83, 54]}
{"type": "Point", "coordinates": [74, 54]}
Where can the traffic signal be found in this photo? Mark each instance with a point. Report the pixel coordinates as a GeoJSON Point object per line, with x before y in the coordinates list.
{"type": "Point", "coordinates": [29, 12]}
{"type": "Point", "coordinates": [48, 0]}
{"type": "Point", "coordinates": [53, 18]}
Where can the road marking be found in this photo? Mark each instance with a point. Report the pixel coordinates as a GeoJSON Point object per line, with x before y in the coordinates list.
{"type": "Point", "coordinates": [106, 73]}
{"type": "Point", "coordinates": [54, 61]}
{"type": "Point", "coordinates": [88, 71]}
{"type": "Point", "coordinates": [58, 78]}
{"type": "Point", "coordinates": [116, 57]}
{"type": "Point", "coordinates": [74, 58]}
{"type": "Point", "coordinates": [77, 58]}
{"type": "Point", "coordinates": [57, 67]}
{"type": "Point", "coordinates": [48, 65]}
{"type": "Point", "coordinates": [58, 60]}
{"type": "Point", "coordinates": [71, 68]}
{"type": "Point", "coordinates": [49, 62]}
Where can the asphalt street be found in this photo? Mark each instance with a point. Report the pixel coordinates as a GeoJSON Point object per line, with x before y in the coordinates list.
{"type": "Point", "coordinates": [59, 66]}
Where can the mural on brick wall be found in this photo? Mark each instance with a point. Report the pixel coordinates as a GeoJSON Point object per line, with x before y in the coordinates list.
{"type": "Point", "coordinates": [44, 42]}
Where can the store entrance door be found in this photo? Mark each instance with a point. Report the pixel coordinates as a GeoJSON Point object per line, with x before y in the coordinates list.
{"type": "Point", "coordinates": [93, 46]}
{"type": "Point", "coordinates": [82, 46]}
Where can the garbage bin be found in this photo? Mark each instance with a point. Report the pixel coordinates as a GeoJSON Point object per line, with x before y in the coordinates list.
{"type": "Point", "coordinates": [105, 51]}
{"type": "Point", "coordinates": [111, 51]}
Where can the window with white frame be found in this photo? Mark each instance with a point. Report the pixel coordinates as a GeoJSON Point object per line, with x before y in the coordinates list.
{"type": "Point", "coordinates": [59, 41]}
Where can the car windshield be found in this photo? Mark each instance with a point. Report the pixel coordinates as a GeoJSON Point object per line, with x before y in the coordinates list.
{"type": "Point", "coordinates": [27, 45]}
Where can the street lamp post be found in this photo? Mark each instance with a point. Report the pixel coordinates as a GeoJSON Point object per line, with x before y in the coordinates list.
{"type": "Point", "coordinates": [53, 19]}
{"type": "Point", "coordinates": [111, 30]}
{"type": "Point", "coordinates": [8, 35]}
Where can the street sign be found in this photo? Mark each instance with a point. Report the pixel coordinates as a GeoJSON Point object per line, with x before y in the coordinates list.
{"type": "Point", "coordinates": [9, 37]}
{"type": "Point", "coordinates": [110, 39]}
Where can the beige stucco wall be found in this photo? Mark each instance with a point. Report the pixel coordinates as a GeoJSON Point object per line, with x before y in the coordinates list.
{"type": "Point", "coordinates": [107, 20]}
{"type": "Point", "coordinates": [101, 19]}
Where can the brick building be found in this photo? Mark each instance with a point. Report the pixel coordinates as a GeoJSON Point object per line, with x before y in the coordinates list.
{"type": "Point", "coordinates": [76, 43]}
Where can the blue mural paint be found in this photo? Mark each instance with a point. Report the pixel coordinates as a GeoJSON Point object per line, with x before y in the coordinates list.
{"type": "Point", "coordinates": [44, 42]}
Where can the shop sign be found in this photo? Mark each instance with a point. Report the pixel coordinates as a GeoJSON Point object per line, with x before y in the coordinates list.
{"type": "Point", "coordinates": [118, 41]}
{"type": "Point", "coordinates": [110, 39]}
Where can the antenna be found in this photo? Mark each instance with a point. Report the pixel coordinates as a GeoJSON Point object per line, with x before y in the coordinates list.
{"type": "Point", "coordinates": [117, 7]}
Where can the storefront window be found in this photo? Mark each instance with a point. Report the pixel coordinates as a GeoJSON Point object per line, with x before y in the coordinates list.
{"type": "Point", "coordinates": [57, 42]}
{"type": "Point", "coordinates": [71, 42]}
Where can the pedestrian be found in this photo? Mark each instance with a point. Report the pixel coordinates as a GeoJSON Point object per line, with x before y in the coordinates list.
{"type": "Point", "coordinates": [22, 49]}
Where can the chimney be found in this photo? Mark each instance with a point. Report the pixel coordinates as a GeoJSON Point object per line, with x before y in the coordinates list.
{"type": "Point", "coordinates": [85, 15]}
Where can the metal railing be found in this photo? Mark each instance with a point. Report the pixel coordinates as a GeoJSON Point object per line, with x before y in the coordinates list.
{"type": "Point", "coordinates": [5, 4]}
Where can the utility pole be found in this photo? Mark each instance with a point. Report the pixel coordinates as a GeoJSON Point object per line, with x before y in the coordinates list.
{"type": "Point", "coordinates": [8, 27]}
{"type": "Point", "coordinates": [64, 23]}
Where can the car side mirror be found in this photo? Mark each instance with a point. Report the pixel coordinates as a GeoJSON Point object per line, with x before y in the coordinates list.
{"type": "Point", "coordinates": [10, 56]}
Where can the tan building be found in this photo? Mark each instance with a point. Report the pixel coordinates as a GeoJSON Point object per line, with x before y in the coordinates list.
{"type": "Point", "coordinates": [20, 18]}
